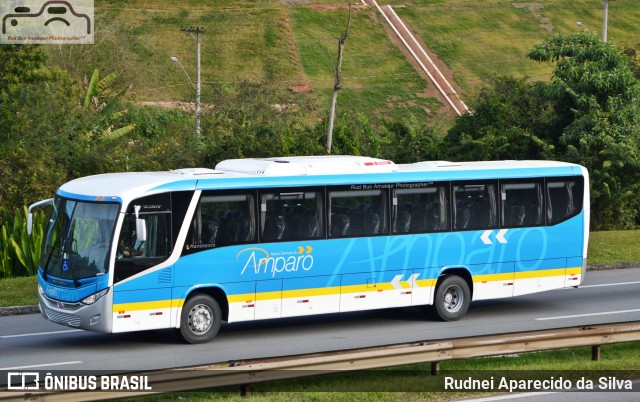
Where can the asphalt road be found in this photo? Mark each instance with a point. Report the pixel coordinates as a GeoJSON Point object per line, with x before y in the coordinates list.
{"type": "Point", "coordinates": [30, 342]}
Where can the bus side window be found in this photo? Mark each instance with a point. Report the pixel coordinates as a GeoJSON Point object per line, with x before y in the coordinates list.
{"type": "Point", "coordinates": [522, 203]}
{"type": "Point", "coordinates": [564, 199]}
{"type": "Point", "coordinates": [134, 255]}
{"type": "Point", "coordinates": [356, 213]}
{"type": "Point", "coordinates": [421, 210]}
{"type": "Point", "coordinates": [221, 219]}
{"type": "Point", "coordinates": [291, 215]}
{"type": "Point", "coordinates": [475, 205]}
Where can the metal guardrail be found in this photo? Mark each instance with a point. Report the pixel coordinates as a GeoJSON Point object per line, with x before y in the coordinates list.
{"type": "Point", "coordinates": [289, 367]}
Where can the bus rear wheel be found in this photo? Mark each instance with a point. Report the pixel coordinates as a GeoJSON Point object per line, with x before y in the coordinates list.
{"type": "Point", "coordinates": [452, 299]}
{"type": "Point", "coordinates": [200, 319]}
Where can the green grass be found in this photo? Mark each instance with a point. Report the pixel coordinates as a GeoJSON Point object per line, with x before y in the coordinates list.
{"type": "Point", "coordinates": [376, 79]}
{"type": "Point", "coordinates": [614, 247]}
{"type": "Point", "coordinates": [290, 43]}
{"type": "Point", "coordinates": [415, 383]}
{"type": "Point", "coordinates": [137, 39]}
{"type": "Point", "coordinates": [604, 248]}
{"type": "Point", "coordinates": [479, 40]}
{"type": "Point", "coordinates": [19, 291]}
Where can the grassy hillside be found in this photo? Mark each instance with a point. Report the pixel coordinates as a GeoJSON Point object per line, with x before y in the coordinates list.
{"type": "Point", "coordinates": [294, 43]}
{"type": "Point", "coordinates": [480, 39]}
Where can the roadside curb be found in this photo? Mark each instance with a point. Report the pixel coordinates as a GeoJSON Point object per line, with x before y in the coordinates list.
{"type": "Point", "coordinates": [621, 265]}
{"type": "Point", "coordinates": [20, 310]}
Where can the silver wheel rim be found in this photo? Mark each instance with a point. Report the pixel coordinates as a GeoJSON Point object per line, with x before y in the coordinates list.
{"type": "Point", "coordinates": [453, 299]}
{"type": "Point", "coordinates": [200, 319]}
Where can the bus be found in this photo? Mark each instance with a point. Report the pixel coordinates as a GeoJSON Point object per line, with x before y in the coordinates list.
{"type": "Point", "coordinates": [266, 238]}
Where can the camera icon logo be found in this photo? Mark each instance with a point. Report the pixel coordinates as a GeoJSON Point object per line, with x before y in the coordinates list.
{"type": "Point", "coordinates": [23, 381]}
{"type": "Point", "coordinates": [47, 22]}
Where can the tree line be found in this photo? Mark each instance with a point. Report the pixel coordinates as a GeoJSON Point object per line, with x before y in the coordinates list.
{"type": "Point", "coordinates": [54, 128]}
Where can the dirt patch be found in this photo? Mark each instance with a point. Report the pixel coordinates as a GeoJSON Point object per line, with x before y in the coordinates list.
{"type": "Point", "coordinates": [535, 8]}
{"type": "Point", "coordinates": [185, 106]}
{"type": "Point", "coordinates": [337, 6]}
{"type": "Point", "coordinates": [319, 6]}
{"type": "Point", "coordinates": [301, 86]}
{"type": "Point", "coordinates": [303, 89]}
{"type": "Point", "coordinates": [294, 2]}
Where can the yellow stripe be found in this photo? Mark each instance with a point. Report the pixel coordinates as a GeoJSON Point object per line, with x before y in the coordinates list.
{"type": "Point", "coordinates": [426, 282]}
{"type": "Point", "coordinates": [268, 295]}
{"type": "Point", "coordinates": [152, 305]}
{"type": "Point", "coordinates": [362, 288]}
{"type": "Point", "coordinates": [241, 298]}
{"type": "Point", "coordinates": [493, 277]}
{"type": "Point", "coordinates": [574, 271]}
{"type": "Point", "coordinates": [333, 290]}
{"type": "Point", "coordinates": [336, 290]}
{"type": "Point", "coordinates": [545, 273]}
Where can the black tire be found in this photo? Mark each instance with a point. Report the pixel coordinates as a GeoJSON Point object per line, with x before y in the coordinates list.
{"type": "Point", "coordinates": [200, 319]}
{"type": "Point", "coordinates": [452, 299]}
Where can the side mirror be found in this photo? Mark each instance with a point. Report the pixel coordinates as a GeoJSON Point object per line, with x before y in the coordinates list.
{"type": "Point", "coordinates": [29, 223]}
{"type": "Point", "coordinates": [141, 226]}
{"type": "Point", "coordinates": [48, 201]}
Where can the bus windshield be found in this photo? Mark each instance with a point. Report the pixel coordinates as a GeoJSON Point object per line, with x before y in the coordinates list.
{"type": "Point", "coordinates": [78, 239]}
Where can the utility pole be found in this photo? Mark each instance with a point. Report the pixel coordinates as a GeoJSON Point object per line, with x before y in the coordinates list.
{"type": "Point", "coordinates": [606, 21]}
{"type": "Point", "coordinates": [197, 31]}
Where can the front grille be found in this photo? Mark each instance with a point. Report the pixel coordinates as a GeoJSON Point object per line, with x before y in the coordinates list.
{"type": "Point", "coordinates": [62, 318]}
{"type": "Point", "coordinates": [64, 305]}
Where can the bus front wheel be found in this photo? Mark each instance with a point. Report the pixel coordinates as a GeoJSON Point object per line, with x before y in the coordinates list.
{"type": "Point", "coordinates": [452, 298]}
{"type": "Point", "coordinates": [200, 319]}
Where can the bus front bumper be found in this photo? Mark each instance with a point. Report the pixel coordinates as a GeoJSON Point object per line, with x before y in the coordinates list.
{"type": "Point", "coordinates": [95, 317]}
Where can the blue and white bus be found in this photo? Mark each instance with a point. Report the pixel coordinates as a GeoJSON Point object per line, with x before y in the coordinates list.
{"type": "Point", "coordinates": [294, 236]}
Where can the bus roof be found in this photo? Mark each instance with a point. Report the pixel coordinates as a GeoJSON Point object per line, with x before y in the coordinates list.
{"type": "Point", "coordinates": [300, 171]}
{"type": "Point", "coordinates": [307, 165]}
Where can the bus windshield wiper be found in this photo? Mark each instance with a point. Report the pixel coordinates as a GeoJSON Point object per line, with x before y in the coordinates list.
{"type": "Point", "coordinates": [67, 253]}
{"type": "Point", "coordinates": [67, 246]}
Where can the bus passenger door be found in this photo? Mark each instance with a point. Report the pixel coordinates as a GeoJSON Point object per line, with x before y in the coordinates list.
{"type": "Point", "coordinates": [268, 299]}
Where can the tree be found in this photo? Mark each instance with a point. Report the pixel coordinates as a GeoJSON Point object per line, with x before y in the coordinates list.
{"type": "Point", "coordinates": [20, 64]}
{"type": "Point", "coordinates": [633, 53]}
{"type": "Point", "coordinates": [597, 99]}
{"type": "Point", "coordinates": [589, 113]}
{"type": "Point", "coordinates": [38, 115]}
{"type": "Point", "coordinates": [511, 120]}
{"type": "Point", "coordinates": [101, 99]}
{"type": "Point", "coordinates": [337, 85]}
{"type": "Point", "coordinates": [410, 141]}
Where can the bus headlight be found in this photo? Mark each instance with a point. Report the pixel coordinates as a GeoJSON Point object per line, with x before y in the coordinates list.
{"type": "Point", "coordinates": [94, 297]}
{"type": "Point", "coordinates": [40, 290]}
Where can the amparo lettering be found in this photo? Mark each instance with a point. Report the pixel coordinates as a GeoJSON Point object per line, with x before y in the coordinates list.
{"type": "Point", "coordinates": [266, 264]}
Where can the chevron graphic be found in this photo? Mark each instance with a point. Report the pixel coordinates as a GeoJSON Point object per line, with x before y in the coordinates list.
{"type": "Point", "coordinates": [486, 239]}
